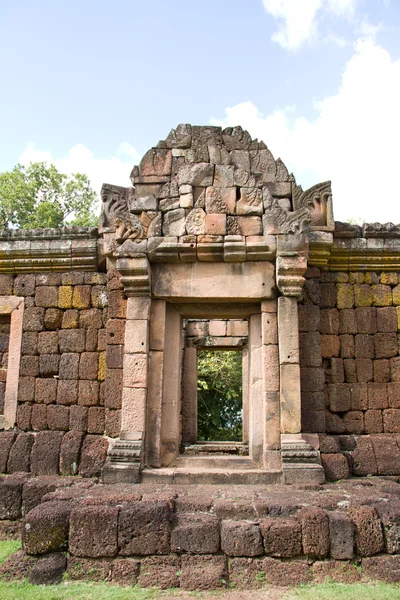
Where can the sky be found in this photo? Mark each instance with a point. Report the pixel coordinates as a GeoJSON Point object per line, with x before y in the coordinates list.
{"type": "Point", "coordinates": [90, 85]}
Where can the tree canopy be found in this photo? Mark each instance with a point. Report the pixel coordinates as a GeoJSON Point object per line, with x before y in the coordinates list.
{"type": "Point", "coordinates": [38, 195]}
{"type": "Point", "coordinates": [219, 395]}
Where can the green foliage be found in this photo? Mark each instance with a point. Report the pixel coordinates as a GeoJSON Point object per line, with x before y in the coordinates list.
{"type": "Point", "coordinates": [219, 395]}
{"type": "Point", "coordinates": [38, 195]}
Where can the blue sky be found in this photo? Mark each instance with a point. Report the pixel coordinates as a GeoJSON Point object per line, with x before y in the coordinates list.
{"type": "Point", "coordinates": [91, 85]}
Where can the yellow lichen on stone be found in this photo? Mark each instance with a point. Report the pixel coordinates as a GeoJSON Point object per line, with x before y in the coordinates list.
{"type": "Point", "coordinates": [381, 295]}
{"type": "Point", "coordinates": [70, 319]}
{"type": "Point", "coordinates": [362, 295]}
{"type": "Point", "coordinates": [345, 295]}
{"type": "Point", "coordinates": [398, 317]}
{"type": "Point", "coordinates": [101, 375]}
{"type": "Point", "coordinates": [371, 278]}
{"type": "Point", "coordinates": [81, 297]}
{"type": "Point", "coordinates": [396, 295]}
{"type": "Point", "coordinates": [389, 278]}
{"type": "Point", "coordinates": [356, 277]}
{"type": "Point", "coordinates": [65, 296]}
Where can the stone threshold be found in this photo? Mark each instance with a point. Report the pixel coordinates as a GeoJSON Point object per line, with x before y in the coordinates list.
{"type": "Point", "coordinates": [236, 476]}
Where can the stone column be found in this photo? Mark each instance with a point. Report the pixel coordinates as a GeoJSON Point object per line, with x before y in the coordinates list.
{"type": "Point", "coordinates": [155, 383]}
{"type": "Point", "coordinates": [171, 389]}
{"type": "Point", "coordinates": [289, 363]}
{"type": "Point", "coordinates": [256, 404]}
{"type": "Point", "coordinates": [189, 396]}
{"type": "Point", "coordinates": [271, 378]}
{"type": "Point", "coordinates": [135, 368]}
{"type": "Point", "coordinates": [245, 395]}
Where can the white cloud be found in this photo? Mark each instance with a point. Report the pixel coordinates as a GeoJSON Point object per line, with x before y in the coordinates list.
{"type": "Point", "coordinates": [352, 139]}
{"type": "Point", "coordinates": [115, 169]}
{"type": "Point", "coordinates": [299, 21]}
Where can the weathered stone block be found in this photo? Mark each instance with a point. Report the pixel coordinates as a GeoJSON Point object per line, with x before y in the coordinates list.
{"type": "Point", "coordinates": [29, 366]}
{"type": "Point", "coordinates": [341, 531]}
{"type": "Point", "coordinates": [45, 452]}
{"type": "Point", "coordinates": [347, 321]}
{"type": "Point", "coordinates": [282, 537]}
{"type": "Point", "coordinates": [241, 538]}
{"type": "Point", "coordinates": [315, 532]}
{"type": "Point", "coordinates": [58, 417]}
{"type": "Point", "coordinates": [20, 454]}
{"type": "Point", "coordinates": [278, 572]}
{"type": "Point", "coordinates": [363, 458]}
{"type": "Point", "coordinates": [39, 417]}
{"type": "Point", "coordinates": [113, 388]}
{"type": "Point", "coordinates": [368, 530]}
{"type": "Point", "coordinates": [386, 319]}
{"type": "Point", "coordinates": [339, 397]}
{"type": "Point", "coordinates": [382, 568]}
{"type": "Point", "coordinates": [160, 571]}
{"type": "Point", "coordinates": [33, 319]}
{"type": "Point", "coordinates": [87, 568]}
{"type": "Point", "coordinates": [96, 420]}
{"type": "Point", "coordinates": [78, 418]}
{"type": "Point", "coordinates": [203, 572]}
{"type": "Point", "coordinates": [310, 349]}
{"type": "Point", "coordinates": [93, 531]}
{"type": "Point", "coordinates": [88, 393]}
{"type": "Point", "coordinates": [312, 379]}
{"type": "Point", "coordinates": [386, 345]}
{"type": "Point", "coordinates": [345, 295]}
{"type": "Point", "coordinates": [330, 346]}
{"type": "Point", "coordinates": [93, 456]}
{"type": "Point", "coordinates": [81, 297]}
{"type": "Point", "coordinates": [48, 570]}
{"type": "Point", "coordinates": [45, 528]}
{"type": "Point", "coordinates": [72, 340]}
{"type": "Point", "coordinates": [69, 452]}
{"type": "Point", "coordinates": [144, 528]}
{"type": "Point", "coordinates": [70, 319]}
{"type": "Point", "coordinates": [391, 420]}
{"type": "Point", "coordinates": [347, 346]}
{"type": "Point", "coordinates": [23, 417]}
{"type": "Point", "coordinates": [362, 295]}
{"type": "Point", "coordinates": [195, 533]}
{"type": "Point", "coordinates": [116, 304]}
{"type": "Point", "coordinates": [10, 498]}
{"type": "Point", "coordinates": [335, 466]}
{"type": "Point", "coordinates": [381, 295]}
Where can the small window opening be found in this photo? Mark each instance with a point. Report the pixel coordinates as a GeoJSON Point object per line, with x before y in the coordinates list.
{"type": "Point", "coordinates": [219, 395]}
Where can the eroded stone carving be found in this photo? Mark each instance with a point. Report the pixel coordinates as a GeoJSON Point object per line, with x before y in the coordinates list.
{"type": "Point", "coordinates": [114, 203]}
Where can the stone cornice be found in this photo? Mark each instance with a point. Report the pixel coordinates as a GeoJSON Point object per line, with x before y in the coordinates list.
{"type": "Point", "coordinates": [39, 250]}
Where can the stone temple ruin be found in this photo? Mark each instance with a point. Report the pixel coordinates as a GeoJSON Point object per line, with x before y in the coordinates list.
{"type": "Point", "coordinates": [214, 246]}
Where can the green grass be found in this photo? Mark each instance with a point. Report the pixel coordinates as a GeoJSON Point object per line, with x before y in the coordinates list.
{"type": "Point", "coordinates": [338, 591]}
{"type": "Point", "coordinates": [74, 591]}
{"type": "Point", "coordinates": [8, 547]}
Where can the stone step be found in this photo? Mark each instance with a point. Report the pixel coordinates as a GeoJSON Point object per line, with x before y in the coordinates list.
{"type": "Point", "coordinates": [211, 476]}
{"type": "Point", "coordinates": [222, 448]}
{"type": "Point", "coordinates": [209, 461]}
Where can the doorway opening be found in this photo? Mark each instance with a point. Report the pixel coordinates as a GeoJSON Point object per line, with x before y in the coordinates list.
{"type": "Point", "coordinates": [219, 395]}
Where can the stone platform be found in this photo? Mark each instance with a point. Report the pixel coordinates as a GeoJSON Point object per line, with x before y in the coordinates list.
{"type": "Point", "coordinates": [200, 537]}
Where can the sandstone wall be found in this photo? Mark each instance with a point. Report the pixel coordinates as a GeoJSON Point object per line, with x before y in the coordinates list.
{"type": "Point", "coordinates": [350, 367]}
{"type": "Point", "coordinates": [70, 376]}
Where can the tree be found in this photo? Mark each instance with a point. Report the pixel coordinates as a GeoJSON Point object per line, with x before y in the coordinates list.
{"type": "Point", "coordinates": [219, 395]}
{"type": "Point", "coordinates": [38, 195]}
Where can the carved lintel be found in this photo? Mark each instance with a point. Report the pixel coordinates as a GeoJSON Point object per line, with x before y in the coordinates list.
{"type": "Point", "coordinates": [135, 275]}
{"type": "Point", "coordinates": [289, 274]}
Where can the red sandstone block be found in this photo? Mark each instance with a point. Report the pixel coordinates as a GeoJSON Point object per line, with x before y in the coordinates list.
{"type": "Point", "coordinates": [29, 366]}
{"type": "Point", "coordinates": [125, 571]}
{"type": "Point", "coordinates": [203, 572]}
{"type": "Point", "coordinates": [46, 528]}
{"type": "Point", "coordinates": [364, 368]}
{"type": "Point", "coordinates": [78, 418]}
{"type": "Point", "coordinates": [395, 368]}
{"type": "Point", "coordinates": [89, 365]}
{"type": "Point", "coordinates": [48, 364]}
{"type": "Point", "coordinates": [23, 417]}
{"type": "Point", "coordinates": [20, 455]}
{"type": "Point", "coordinates": [53, 318]}
{"type": "Point", "coordinates": [48, 342]}
{"type": "Point", "coordinates": [329, 321]}
{"type": "Point", "coordinates": [354, 422]}
{"type": "Point", "coordinates": [93, 455]}
{"type": "Point", "coordinates": [58, 417]}
{"type": "Point", "coordinates": [7, 438]}
{"type": "Point", "coordinates": [368, 530]}
{"type": "Point", "coordinates": [386, 319]}
{"type": "Point", "coordinates": [29, 342]}
{"type": "Point", "coordinates": [278, 572]}
{"type": "Point", "coordinates": [91, 318]}
{"type": "Point", "coordinates": [381, 371]}
{"type": "Point", "coordinates": [89, 569]}
{"type": "Point", "coordinates": [33, 319]}
{"type": "Point", "coordinates": [10, 498]}
{"type": "Point", "coordinates": [282, 537]}
{"type": "Point", "coordinates": [195, 533]}
{"type": "Point", "coordinates": [382, 568]}
{"type": "Point", "coordinates": [394, 394]}
{"type": "Point", "coordinates": [46, 296]}
{"type": "Point", "coordinates": [339, 397]}
{"type": "Point", "coordinates": [45, 452]}
{"type": "Point", "coordinates": [39, 417]}
{"type": "Point", "coordinates": [377, 396]}
{"type": "Point", "coordinates": [70, 451]}
{"type": "Point", "coordinates": [347, 321]}
{"type": "Point", "coordinates": [241, 538]}
{"type": "Point", "coordinates": [160, 571]}
{"type": "Point", "coordinates": [373, 421]}
{"type": "Point", "coordinates": [67, 392]}
{"type": "Point", "coordinates": [387, 454]}
{"type": "Point", "coordinates": [347, 346]}
{"type": "Point", "coordinates": [330, 346]}
{"type": "Point", "coordinates": [315, 532]}
{"type": "Point", "coordinates": [363, 458]}
{"type": "Point", "coordinates": [114, 357]}
{"type": "Point", "coordinates": [391, 420]}
{"type": "Point", "coordinates": [72, 340]}
{"type": "Point", "coordinates": [350, 370]}
{"type": "Point", "coordinates": [112, 425]}
{"type": "Point", "coordinates": [88, 394]}
{"type": "Point", "coordinates": [335, 466]}
{"type": "Point", "coordinates": [341, 533]}
{"type": "Point", "coordinates": [386, 345]}
{"type": "Point", "coordinates": [96, 420]}
{"type": "Point", "coordinates": [93, 531]}
{"type": "Point", "coordinates": [364, 346]}
{"type": "Point", "coordinates": [116, 304]}
{"type": "Point", "coordinates": [81, 296]}
{"type": "Point", "coordinates": [26, 389]}
{"type": "Point", "coordinates": [366, 320]}
{"type": "Point", "coordinates": [144, 528]}
{"type": "Point", "coordinates": [115, 332]}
